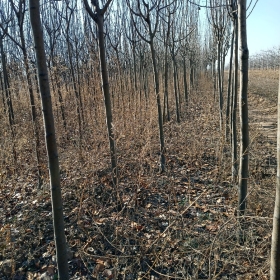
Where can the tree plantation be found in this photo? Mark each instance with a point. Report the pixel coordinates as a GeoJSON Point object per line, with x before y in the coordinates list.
{"type": "Point", "coordinates": [125, 145]}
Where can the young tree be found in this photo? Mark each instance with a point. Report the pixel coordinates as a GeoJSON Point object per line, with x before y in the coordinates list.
{"type": "Point", "coordinates": [166, 37]}
{"type": "Point", "coordinates": [97, 14]}
{"type": "Point", "coordinates": [52, 22]}
{"type": "Point", "coordinates": [233, 88]}
{"type": "Point", "coordinates": [234, 104]}
{"type": "Point", "coordinates": [243, 107]}
{"type": "Point", "coordinates": [229, 87]}
{"type": "Point", "coordinates": [149, 13]}
{"type": "Point", "coordinates": [219, 21]}
{"type": "Point", "coordinates": [275, 242]}
{"type": "Point", "coordinates": [56, 198]}
{"type": "Point", "coordinates": [6, 86]}
{"type": "Point", "coordinates": [71, 43]}
{"type": "Point", "coordinates": [18, 9]}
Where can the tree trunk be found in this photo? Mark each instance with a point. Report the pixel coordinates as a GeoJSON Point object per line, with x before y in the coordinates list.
{"type": "Point", "coordinates": [77, 94]}
{"type": "Point", "coordinates": [275, 243]}
{"type": "Point", "coordinates": [57, 208]}
{"type": "Point", "coordinates": [6, 85]}
{"type": "Point", "coordinates": [107, 99]}
{"type": "Point", "coordinates": [234, 105]}
{"type": "Point", "coordinates": [229, 87]}
{"type": "Point", "coordinates": [2, 90]}
{"type": "Point", "coordinates": [166, 112]}
{"type": "Point", "coordinates": [35, 124]}
{"type": "Point", "coordinates": [175, 87]}
{"type": "Point", "coordinates": [166, 69]}
{"type": "Point", "coordinates": [214, 78]}
{"type": "Point", "coordinates": [160, 122]}
{"type": "Point", "coordinates": [185, 82]}
{"type": "Point", "coordinates": [221, 98]}
{"type": "Point", "coordinates": [243, 108]}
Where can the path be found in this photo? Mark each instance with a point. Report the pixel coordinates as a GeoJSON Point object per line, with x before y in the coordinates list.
{"type": "Point", "coordinates": [263, 88]}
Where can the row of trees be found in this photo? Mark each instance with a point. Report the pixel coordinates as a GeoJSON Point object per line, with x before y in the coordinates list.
{"type": "Point", "coordinates": [125, 43]}
{"type": "Point", "coordinates": [265, 60]}
{"type": "Point", "coordinates": [143, 39]}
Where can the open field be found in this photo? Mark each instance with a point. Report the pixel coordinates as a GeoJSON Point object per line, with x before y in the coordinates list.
{"type": "Point", "coordinates": [181, 224]}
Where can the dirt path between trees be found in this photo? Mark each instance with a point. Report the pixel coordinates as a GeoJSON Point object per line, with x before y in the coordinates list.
{"type": "Point", "coordinates": [263, 88]}
{"type": "Point", "coordinates": [263, 116]}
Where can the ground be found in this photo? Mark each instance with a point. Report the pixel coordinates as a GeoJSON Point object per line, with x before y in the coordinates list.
{"type": "Point", "coordinates": [181, 224]}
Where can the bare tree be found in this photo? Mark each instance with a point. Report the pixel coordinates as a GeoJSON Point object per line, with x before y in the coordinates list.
{"type": "Point", "coordinates": [71, 42]}
{"type": "Point", "coordinates": [174, 49]}
{"type": "Point", "coordinates": [229, 87]}
{"type": "Point", "coordinates": [266, 59]}
{"type": "Point", "coordinates": [52, 22]}
{"type": "Point", "coordinates": [6, 86]}
{"type": "Point", "coordinates": [57, 208]}
{"type": "Point", "coordinates": [19, 12]}
{"type": "Point", "coordinates": [219, 21]}
{"type": "Point", "coordinates": [7, 99]}
{"type": "Point", "coordinates": [234, 104]}
{"type": "Point", "coordinates": [166, 37]}
{"type": "Point", "coordinates": [275, 242]}
{"type": "Point", "coordinates": [234, 91]}
{"type": "Point", "coordinates": [97, 14]}
{"type": "Point", "coordinates": [243, 108]}
{"type": "Point", "coordinates": [149, 13]}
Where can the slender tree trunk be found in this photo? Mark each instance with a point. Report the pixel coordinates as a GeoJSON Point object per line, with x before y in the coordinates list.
{"type": "Point", "coordinates": [243, 108]}
{"type": "Point", "coordinates": [106, 92]}
{"type": "Point", "coordinates": [178, 88]}
{"type": "Point", "coordinates": [234, 105]}
{"type": "Point", "coordinates": [35, 123]}
{"type": "Point", "coordinates": [221, 98]}
{"type": "Point", "coordinates": [185, 82]}
{"type": "Point", "coordinates": [229, 88]}
{"type": "Point", "coordinates": [275, 243]}
{"type": "Point", "coordinates": [166, 112]}
{"type": "Point", "coordinates": [79, 85]}
{"type": "Point", "coordinates": [77, 97]}
{"type": "Point", "coordinates": [98, 17]}
{"type": "Point", "coordinates": [57, 208]}
{"type": "Point", "coordinates": [9, 103]}
{"type": "Point", "coordinates": [191, 73]}
{"type": "Point", "coordinates": [166, 69]}
{"type": "Point", "coordinates": [3, 90]}
{"type": "Point", "coordinates": [6, 86]}
{"type": "Point", "coordinates": [134, 66]}
{"type": "Point", "coordinates": [160, 122]}
{"type": "Point", "coordinates": [175, 88]}
{"type": "Point", "coordinates": [214, 78]}
{"type": "Point", "coordinates": [60, 99]}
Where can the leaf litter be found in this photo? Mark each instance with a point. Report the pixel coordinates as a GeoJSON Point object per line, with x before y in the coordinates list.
{"type": "Point", "coordinates": [178, 225]}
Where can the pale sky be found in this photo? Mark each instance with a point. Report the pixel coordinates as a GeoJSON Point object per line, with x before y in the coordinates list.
{"type": "Point", "coordinates": [263, 26]}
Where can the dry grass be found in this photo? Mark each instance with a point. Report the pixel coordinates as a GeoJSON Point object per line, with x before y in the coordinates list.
{"type": "Point", "coordinates": [178, 225]}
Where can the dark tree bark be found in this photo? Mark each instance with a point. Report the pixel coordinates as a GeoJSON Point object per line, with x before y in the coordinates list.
{"type": "Point", "coordinates": [72, 71]}
{"type": "Point", "coordinates": [186, 93]}
{"type": "Point", "coordinates": [144, 14]}
{"type": "Point", "coordinates": [98, 17]}
{"type": "Point", "coordinates": [234, 104]}
{"type": "Point", "coordinates": [243, 108]}
{"type": "Point", "coordinates": [56, 198]}
{"type": "Point", "coordinates": [19, 12]}
{"type": "Point", "coordinates": [6, 86]}
{"type": "Point", "coordinates": [229, 88]}
{"type": "Point", "coordinates": [166, 111]}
